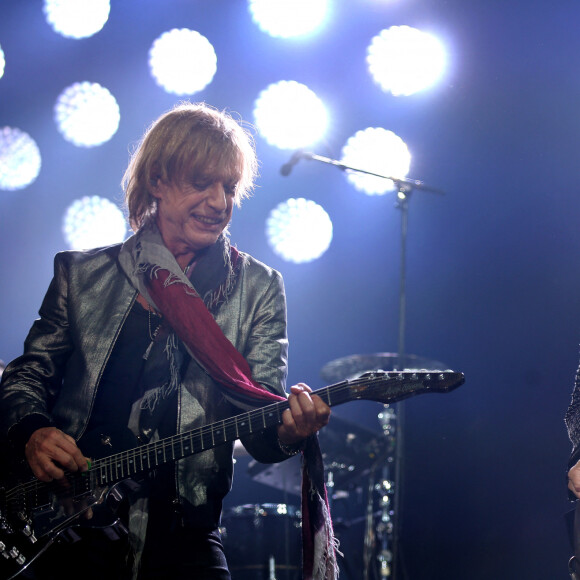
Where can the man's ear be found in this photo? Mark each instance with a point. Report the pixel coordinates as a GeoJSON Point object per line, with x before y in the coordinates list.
{"type": "Point", "coordinates": [156, 187]}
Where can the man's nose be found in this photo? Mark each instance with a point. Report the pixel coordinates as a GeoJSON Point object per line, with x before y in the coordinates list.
{"type": "Point", "coordinates": [217, 196]}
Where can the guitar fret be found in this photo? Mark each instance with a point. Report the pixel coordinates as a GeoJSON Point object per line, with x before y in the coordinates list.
{"type": "Point", "coordinates": [239, 424]}
{"type": "Point", "coordinates": [190, 443]}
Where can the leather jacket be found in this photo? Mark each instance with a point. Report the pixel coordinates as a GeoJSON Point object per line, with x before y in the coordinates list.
{"type": "Point", "coordinates": [68, 347]}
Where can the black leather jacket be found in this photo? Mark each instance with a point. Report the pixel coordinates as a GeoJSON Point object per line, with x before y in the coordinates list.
{"type": "Point", "coordinates": [68, 347]}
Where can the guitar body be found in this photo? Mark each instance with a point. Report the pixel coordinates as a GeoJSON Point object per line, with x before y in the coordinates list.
{"type": "Point", "coordinates": [63, 512]}
{"type": "Point", "coordinates": [34, 514]}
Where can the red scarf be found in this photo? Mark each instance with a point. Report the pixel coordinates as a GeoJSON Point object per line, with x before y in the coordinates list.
{"type": "Point", "coordinates": [186, 313]}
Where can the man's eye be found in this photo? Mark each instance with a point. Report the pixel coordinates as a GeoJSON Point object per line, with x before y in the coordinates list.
{"type": "Point", "coordinates": [201, 185]}
{"type": "Point", "coordinates": [230, 189]}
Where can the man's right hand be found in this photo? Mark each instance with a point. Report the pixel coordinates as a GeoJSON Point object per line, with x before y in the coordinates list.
{"type": "Point", "coordinates": [49, 452]}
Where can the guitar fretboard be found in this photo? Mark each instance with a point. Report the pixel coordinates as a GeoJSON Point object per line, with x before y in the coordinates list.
{"type": "Point", "coordinates": [381, 386]}
{"type": "Point", "coordinates": [151, 455]}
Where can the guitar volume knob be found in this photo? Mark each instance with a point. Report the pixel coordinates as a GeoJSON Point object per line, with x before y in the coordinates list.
{"type": "Point", "coordinates": [27, 531]}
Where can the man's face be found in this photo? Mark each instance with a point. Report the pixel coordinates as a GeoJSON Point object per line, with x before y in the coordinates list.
{"type": "Point", "coordinates": [191, 216]}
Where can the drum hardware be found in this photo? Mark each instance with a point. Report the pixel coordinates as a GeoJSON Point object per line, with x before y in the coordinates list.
{"type": "Point", "coordinates": [380, 542]}
{"type": "Point", "coordinates": [380, 523]}
{"type": "Point", "coordinates": [263, 541]}
{"type": "Point", "coordinates": [348, 451]}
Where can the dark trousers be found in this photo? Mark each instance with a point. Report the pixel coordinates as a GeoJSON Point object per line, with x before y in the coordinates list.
{"type": "Point", "coordinates": [171, 551]}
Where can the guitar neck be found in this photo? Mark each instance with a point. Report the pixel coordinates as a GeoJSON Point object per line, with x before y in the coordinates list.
{"type": "Point", "coordinates": [152, 455]}
{"type": "Point", "coordinates": [385, 387]}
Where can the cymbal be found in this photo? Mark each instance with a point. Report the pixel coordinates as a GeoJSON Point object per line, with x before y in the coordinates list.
{"type": "Point", "coordinates": [353, 366]}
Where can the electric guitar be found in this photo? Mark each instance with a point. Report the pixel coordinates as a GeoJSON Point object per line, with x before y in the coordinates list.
{"type": "Point", "coordinates": [34, 514]}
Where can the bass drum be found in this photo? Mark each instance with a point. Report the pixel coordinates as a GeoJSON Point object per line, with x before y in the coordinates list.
{"type": "Point", "coordinates": [263, 542]}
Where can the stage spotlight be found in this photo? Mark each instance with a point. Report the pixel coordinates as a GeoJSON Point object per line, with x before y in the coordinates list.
{"type": "Point", "coordinates": [288, 18]}
{"type": "Point", "coordinates": [92, 222]}
{"type": "Point", "coordinates": [299, 230]}
{"type": "Point", "coordinates": [404, 60]}
{"type": "Point", "coordinates": [19, 159]}
{"type": "Point", "coordinates": [86, 114]}
{"type": "Point", "coordinates": [77, 18]}
{"type": "Point", "coordinates": [182, 61]}
{"type": "Point", "coordinates": [289, 115]}
{"type": "Point", "coordinates": [2, 62]}
{"type": "Point", "coordinates": [378, 151]}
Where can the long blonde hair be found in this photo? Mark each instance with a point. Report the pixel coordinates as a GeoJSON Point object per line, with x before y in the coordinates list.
{"type": "Point", "coordinates": [190, 140]}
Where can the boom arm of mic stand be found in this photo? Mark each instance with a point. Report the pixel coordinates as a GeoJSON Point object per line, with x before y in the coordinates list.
{"type": "Point", "coordinates": [400, 182]}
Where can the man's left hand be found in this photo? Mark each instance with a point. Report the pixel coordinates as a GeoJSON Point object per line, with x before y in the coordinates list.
{"type": "Point", "coordinates": [307, 414]}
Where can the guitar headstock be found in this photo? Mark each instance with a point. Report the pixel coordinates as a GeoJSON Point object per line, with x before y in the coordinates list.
{"type": "Point", "coordinates": [391, 386]}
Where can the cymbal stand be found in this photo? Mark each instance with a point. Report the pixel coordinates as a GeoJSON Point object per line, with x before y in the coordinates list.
{"type": "Point", "coordinates": [378, 556]}
{"type": "Point", "coordinates": [384, 532]}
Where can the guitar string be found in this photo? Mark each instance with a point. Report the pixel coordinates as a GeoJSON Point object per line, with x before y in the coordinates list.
{"type": "Point", "coordinates": [163, 445]}
{"type": "Point", "coordinates": [106, 464]}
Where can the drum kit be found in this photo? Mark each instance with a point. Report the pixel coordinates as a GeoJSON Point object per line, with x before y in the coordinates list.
{"type": "Point", "coordinates": [262, 541]}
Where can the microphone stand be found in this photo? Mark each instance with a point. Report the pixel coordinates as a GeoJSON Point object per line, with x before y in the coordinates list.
{"type": "Point", "coordinates": [391, 422]}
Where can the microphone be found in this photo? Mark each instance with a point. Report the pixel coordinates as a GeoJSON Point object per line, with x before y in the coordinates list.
{"type": "Point", "coordinates": [287, 167]}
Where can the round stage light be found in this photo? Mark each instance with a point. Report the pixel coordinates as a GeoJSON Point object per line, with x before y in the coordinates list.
{"type": "Point", "coordinates": [2, 62]}
{"type": "Point", "coordinates": [288, 115]}
{"type": "Point", "coordinates": [20, 159]}
{"type": "Point", "coordinates": [299, 230]}
{"type": "Point", "coordinates": [404, 60]}
{"type": "Point", "coordinates": [378, 151]}
{"type": "Point", "coordinates": [87, 114]}
{"type": "Point", "coordinates": [182, 61]}
{"type": "Point", "coordinates": [77, 18]}
{"type": "Point", "coordinates": [92, 222]}
{"type": "Point", "coordinates": [288, 18]}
